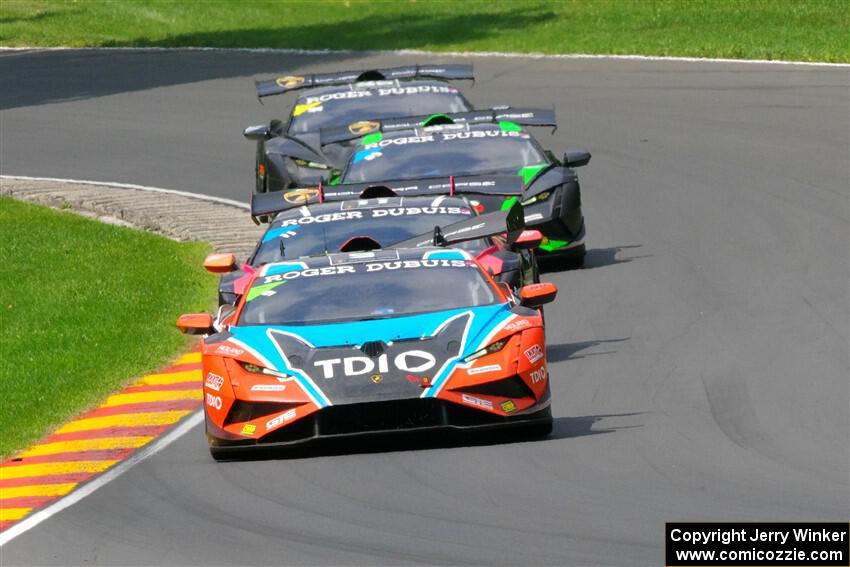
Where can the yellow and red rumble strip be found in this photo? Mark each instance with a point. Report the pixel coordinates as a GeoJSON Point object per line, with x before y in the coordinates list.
{"type": "Point", "coordinates": [86, 447]}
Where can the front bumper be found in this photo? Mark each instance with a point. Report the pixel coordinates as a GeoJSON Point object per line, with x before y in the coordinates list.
{"type": "Point", "coordinates": [383, 418]}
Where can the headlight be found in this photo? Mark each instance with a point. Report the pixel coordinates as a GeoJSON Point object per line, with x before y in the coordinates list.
{"type": "Point", "coordinates": [539, 198]}
{"type": "Point", "coordinates": [493, 347]}
{"type": "Point", "coordinates": [254, 369]}
{"type": "Point", "coordinates": [313, 164]}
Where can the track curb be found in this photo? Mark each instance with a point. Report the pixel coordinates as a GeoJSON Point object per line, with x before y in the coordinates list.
{"type": "Point", "coordinates": [128, 423]}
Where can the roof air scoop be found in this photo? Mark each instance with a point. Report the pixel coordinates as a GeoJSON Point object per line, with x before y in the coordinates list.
{"type": "Point", "coordinates": [373, 348]}
{"type": "Point", "coordinates": [371, 76]}
{"type": "Point", "coordinates": [377, 192]}
{"type": "Point", "coordinates": [437, 120]}
{"type": "Point", "coordinates": [360, 244]}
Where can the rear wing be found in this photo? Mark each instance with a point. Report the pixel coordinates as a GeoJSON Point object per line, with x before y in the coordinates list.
{"type": "Point", "coordinates": [520, 116]}
{"type": "Point", "coordinates": [265, 204]}
{"type": "Point", "coordinates": [289, 83]}
{"type": "Point", "coordinates": [511, 221]}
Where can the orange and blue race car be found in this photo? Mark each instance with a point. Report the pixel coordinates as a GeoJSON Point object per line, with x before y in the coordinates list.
{"type": "Point", "coordinates": [373, 342]}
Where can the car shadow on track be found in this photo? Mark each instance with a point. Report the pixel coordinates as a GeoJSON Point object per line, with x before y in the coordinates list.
{"type": "Point", "coordinates": [595, 258]}
{"type": "Point", "coordinates": [562, 428]}
{"type": "Point", "coordinates": [568, 351]}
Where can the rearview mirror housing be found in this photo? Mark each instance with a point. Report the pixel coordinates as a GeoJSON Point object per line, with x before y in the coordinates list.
{"type": "Point", "coordinates": [195, 324]}
{"type": "Point", "coordinates": [528, 240]}
{"type": "Point", "coordinates": [256, 133]}
{"type": "Point", "coordinates": [576, 158]}
{"type": "Point", "coordinates": [220, 263]}
{"type": "Point", "coordinates": [538, 294]}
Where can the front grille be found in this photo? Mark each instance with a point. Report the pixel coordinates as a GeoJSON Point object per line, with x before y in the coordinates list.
{"type": "Point", "coordinates": [246, 411]}
{"type": "Point", "coordinates": [512, 387]}
{"type": "Point", "coordinates": [381, 416]}
{"type": "Point", "coordinates": [375, 417]}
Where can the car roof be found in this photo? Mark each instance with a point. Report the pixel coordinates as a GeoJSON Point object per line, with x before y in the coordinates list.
{"type": "Point", "coordinates": [367, 204]}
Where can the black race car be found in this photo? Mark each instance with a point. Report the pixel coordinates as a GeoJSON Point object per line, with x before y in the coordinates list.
{"type": "Point", "coordinates": [289, 154]}
{"type": "Point", "coordinates": [483, 142]}
{"type": "Point", "coordinates": [303, 227]}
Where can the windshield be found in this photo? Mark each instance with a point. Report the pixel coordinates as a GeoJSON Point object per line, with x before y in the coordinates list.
{"type": "Point", "coordinates": [314, 235]}
{"type": "Point", "coordinates": [443, 153]}
{"type": "Point", "coordinates": [372, 290]}
{"type": "Point", "coordinates": [314, 112]}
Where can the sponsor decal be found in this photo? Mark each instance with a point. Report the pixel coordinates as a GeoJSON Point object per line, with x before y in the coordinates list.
{"type": "Point", "coordinates": [473, 401]}
{"type": "Point", "coordinates": [413, 361]}
{"type": "Point", "coordinates": [420, 89]}
{"type": "Point", "coordinates": [373, 213]}
{"type": "Point", "coordinates": [296, 196]}
{"type": "Point", "coordinates": [214, 381]}
{"type": "Point", "coordinates": [360, 93]}
{"type": "Point", "coordinates": [534, 353]}
{"type": "Point", "coordinates": [229, 351]}
{"type": "Point", "coordinates": [508, 406]}
{"type": "Point", "coordinates": [538, 375]}
{"type": "Point", "coordinates": [376, 378]}
{"type": "Point", "coordinates": [484, 369]}
{"type": "Point", "coordinates": [214, 401]}
{"type": "Point", "coordinates": [286, 416]}
{"type": "Point", "coordinates": [517, 325]}
{"type": "Point", "coordinates": [403, 141]}
{"type": "Point", "coordinates": [363, 127]}
{"type": "Point", "coordinates": [344, 95]}
{"type": "Point", "coordinates": [448, 136]}
{"type": "Point", "coordinates": [289, 81]}
{"type": "Point", "coordinates": [414, 264]}
{"type": "Point", "coordinates": [248, 429]}
{"type": "Point", "coordinates": [268, 387]}
{"type": "Point", "coordinates": [367, 155]}
{"type": "Point", "coordinates": [302, 108]}
{"type": "Point", "coordinates": [533, 217]}
{"type": "Point", "coordinates": [351, 269]}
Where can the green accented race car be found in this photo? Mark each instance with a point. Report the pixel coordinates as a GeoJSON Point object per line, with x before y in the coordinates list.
{"type": "Point", "coordinates": [486, 142]}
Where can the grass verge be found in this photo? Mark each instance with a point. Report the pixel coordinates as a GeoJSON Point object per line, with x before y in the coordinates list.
{"type": "Point", "coordinates": [84, 307]}
{"type": "Point", "coordinates": [811, 30]}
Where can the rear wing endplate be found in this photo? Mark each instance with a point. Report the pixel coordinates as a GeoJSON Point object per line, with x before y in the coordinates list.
{"type": "Point", "coordinates": [520, 116]}
{"type": "Point", "coordinates": [289, 83]}
{"type": "Point", "coordinates": [266, 204]}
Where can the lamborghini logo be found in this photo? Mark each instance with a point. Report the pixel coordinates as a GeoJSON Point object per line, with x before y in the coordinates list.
{"type": "Point", "coordinates": [302, 196]}
{"type": "Point", "coordinates": [363, 127]}
{"type": "Point", "coordinates": [376, 378]}
{"type": "Point", "coordinates": [289, 82]}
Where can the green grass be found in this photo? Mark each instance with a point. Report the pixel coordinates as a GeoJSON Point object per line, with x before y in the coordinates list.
{"type": "Point", "coordinates": [84, 308]}
{"type": "Point", "coordinates": [813, 30]}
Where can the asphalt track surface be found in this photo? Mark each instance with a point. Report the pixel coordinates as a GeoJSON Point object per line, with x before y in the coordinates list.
{"type": "Point", "coordinates": [699, 363]}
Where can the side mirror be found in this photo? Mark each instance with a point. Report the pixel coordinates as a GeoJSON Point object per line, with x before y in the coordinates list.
{"type": "Point", "coordinates": [220, 263]}
{"type": "Point", "coordinates": [576, 158]}
{"type": "Point", "coordinates": [256, 133]}
{"type": "Point", "coordinates": [528, 240]}
{"type": "Point", "coordinates": [535, 295]}
{"type": "Point", "coordinates": [196, 324]}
